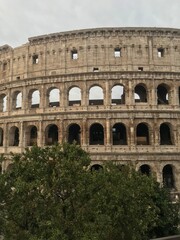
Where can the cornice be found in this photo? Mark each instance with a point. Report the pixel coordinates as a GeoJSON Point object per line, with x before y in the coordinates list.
{"type": "Point", "coordinates": [106, 32]}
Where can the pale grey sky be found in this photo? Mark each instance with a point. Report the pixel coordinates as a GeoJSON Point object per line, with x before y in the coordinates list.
{"type": "Point", "coordinates": [21, 19]}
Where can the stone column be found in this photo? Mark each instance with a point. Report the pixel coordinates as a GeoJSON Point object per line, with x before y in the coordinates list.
{"type": "Point", "coordinates": [24, 99]}
{"type": "Point", "coordinates": [60, 131]}
{"type": "Point", "coordinates": [83, 132]}
{"type": "Point", "coordinates": [9, 101]}
{"type": "Point", "coordinates": [175, 95]}
{"type": "Point", "coordinates": [84, 95]}
{"type": "Point", "coordinates": [107, 95]}
{"type": "Point", "coordinates": [130, 98]}
{"type": "Point", "coordinates": [131, 133]}
{"type": "Point", "coordinates": [40, 134]}
{"type": "Point", "coordinates": [5, 137]}
{"type": "Point", "coordinates": [156, 133]}
{"type": "Point", "coordinates": [21, 136]}
{"type": "Point", "coordinates": [42, 97]}
{"type": "Point", "coordinates": [108, 134]}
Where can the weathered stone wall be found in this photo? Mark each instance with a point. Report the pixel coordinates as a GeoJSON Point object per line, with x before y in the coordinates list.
{"type": "Point", "coordinates": [145, 61]}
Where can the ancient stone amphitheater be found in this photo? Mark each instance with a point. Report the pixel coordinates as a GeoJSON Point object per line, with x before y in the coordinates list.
{"type": "Point", "coordinates": [115, 91]}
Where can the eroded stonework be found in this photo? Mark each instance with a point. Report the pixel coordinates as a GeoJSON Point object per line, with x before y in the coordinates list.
{"type": "Point", "coordinates": [115, 91]}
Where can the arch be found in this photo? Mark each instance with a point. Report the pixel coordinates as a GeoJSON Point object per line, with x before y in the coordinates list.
{"type": "Point", "coordinates": [163, 94]}
{"type": "Point", "coordinates": [165, 134]}
{"type": "Point", "coordinates": [34, 98]}
{"type": "Point", "coordinates": [74, 96]}
{"type": "Point", "coordinates": [117, 95]}
{"type": "Point", "coordinates": [32, 133]}
{"type": "Point", "coordinates": [96, 96]}
{"type": "Point", "coordinates": [96, 134]}
{"type": "Point", "coordinates": [119, 134]}
{"type": "Point", "coordinates": [51, 134]}
{"type": "Point", "coordinates": [142, 134]}
{"type": "Point", "coordinates": [140, 93]}
{"type": "Point", "coordinates": [168, 176]}
{"type": "Point", "coordinates": [53, 97]}
{"type": "Point", "coordinates": [96, 167]}
{"type": "Point", "coordinates": [1, 137]}
{"type": "Point", "coordinates": [74, 133]}
{"type": "Point", "coordinates": [145, 169]}
{"type": "Point", "coordinates": [10, 167]}
{"type": "Point", "coordinates": [14, 136]}
{"type": "Point", "coordinates": [3, 103]}
{"type": "Point", "coordinates": [17, 100]}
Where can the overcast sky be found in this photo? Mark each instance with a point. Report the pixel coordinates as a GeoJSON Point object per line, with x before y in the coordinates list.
{"type": "Point", "coordinates": [21, 19]}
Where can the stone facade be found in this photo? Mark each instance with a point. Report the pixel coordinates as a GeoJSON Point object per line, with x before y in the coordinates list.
{"type": "Point", "coordinates": [116, 91]}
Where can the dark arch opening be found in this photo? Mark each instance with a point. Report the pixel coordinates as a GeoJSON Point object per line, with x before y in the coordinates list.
{"type": "Point", "coordinates": [140, 91]}
{"type": "Point", "coordinates": [96, 167]}
{"type": "Point", "coordinates": [52, 135]}
{"type": "Point", "coordinates": [165, 135]}
{"type": "Point", "coordinates": [119, 134]}
{"type": "Point", "coordinates": [145, 169]}
{"type": "Point", "coordinates": [168, 177]}
{"type": "Point", "coordinates": [96, 134]}
{"type": "Point", "coordinates": [74, 134]}
{"type": "Point", "coordinates": [162, 94]}
{"type": "Point", "coordinates": [142, 134]}
{"type": "Point", "coordinates": [1, 136]}
{"type": "Point", "coordinates": [33, 136]}
{"type": "Point", "coordinates": [14, 136]}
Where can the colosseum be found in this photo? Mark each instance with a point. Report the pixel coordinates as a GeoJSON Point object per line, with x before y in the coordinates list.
{"type": "Point", "coordinates": [115, 91]}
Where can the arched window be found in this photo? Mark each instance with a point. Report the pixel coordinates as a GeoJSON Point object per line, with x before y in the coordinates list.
{"type": "Point", "coordinates": [117, 95]}
{"type": "Point", "coordinates": [1, 136]}
{"type": "Point", "coordinates": [34, 98]}
{"type": "Point", "coordinates": [145, 169]}
{"type": "Point", "coordinates": [119, 134]}
{"type": "Point", "coordinates": [74, 134]}
{"type": "Point", "coordinates": [51, 134]}
{"type": "Point", "coordinates": [96, 167]}
{"type": "Point", "coordinates": [14, 136]}
{"type": "Point", "coordinates": [54, 97]}
{"type": "Point", "coordinates": [74, 96]}
{"type": "Point", "coordinates": [17, 100]}
{"type": "Point", "coordinates": [96, 96]}
{"type": "Point", "coordinates": [168, 176]}
{"type": "Point", "coordinates": [32, 136]}
{"type": "Point", "coordinates": [142, 134]}
{"type": "Point", "coordinates": [165, 134]}
{"type": "Point", "coordinates": [140, 93]}
{"type": "Point", "coordinates": [3, 103]}
{"type": "Point", "coordinates": [162, 94]}
{"type": "Point", "coordinates": [96, 134]}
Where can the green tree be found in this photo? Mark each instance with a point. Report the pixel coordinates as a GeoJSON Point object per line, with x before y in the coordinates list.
{"type": "Point", "coordinates": [50, 194]}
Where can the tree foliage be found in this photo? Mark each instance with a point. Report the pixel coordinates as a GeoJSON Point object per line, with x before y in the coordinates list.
{"type": "Point", "coordinates": [50, 193]}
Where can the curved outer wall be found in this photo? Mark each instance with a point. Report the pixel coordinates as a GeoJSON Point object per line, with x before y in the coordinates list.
{"type": "Point", "coordinates": [126, 57]}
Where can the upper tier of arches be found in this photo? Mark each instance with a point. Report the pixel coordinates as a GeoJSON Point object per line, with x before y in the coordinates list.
{"type": "Point", "coordinates": [114, 94]}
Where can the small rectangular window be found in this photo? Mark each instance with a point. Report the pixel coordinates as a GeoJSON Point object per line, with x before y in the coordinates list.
{"type": "Point", "coordinates": [160, 52]}
{"type": "Point", "coordinates": [140, 69]}
{"type": "Point", "coordinates": [74, 54]}
{"type": "Point", "coordinates": [117, 52]}
{"type": "Point", "coordinates": [95, 69]}
{"type": "Point", "coordinates": [35, 59]}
